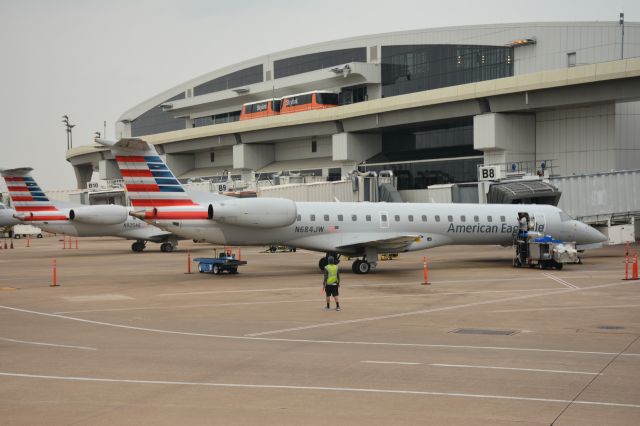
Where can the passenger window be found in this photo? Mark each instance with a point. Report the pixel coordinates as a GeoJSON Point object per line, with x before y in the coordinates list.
{"type": "Point", "coordinates": [489, 218]}
{"type": "Point", "coordinates": [450, 218]}
{"type": "Point", "coordinates": [424, 217]}
{"type": "Point", "coordinates": [383, 217]}
{"type": "Point", "coordinates": [354, 217]}
{"type": "Point", "coordinates": [502, 219]}
{"type": "Point", "coordinates": [299, 218]}
{"type": "Point", "coordinates": [437, 218]}
{"type": "Point", "coordinates": [326, 218]}
{"type": "Point", "coordinates": [476, 219]}
{"type": "Point", "coordinates": [396, 218]}
{"type": "Point", "coordinates": [463, 218]}
{"type": "Point", "coordinates": [410, 218]}
{"type": "Point", "coordinates": [313, 218]}
{"type": "Point", "coordinates": [340, 218]}
{"type": "Point", "coordinates": [368, 218]}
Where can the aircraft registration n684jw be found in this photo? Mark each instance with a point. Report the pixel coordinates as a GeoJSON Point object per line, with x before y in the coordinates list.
{"type": "Point", "coordinates": [361, 230]}
{"type": "Point", "coordinates": [34, 207]}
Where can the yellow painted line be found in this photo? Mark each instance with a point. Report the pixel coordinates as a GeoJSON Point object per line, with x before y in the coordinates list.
{"type": "Point", "coordinates": [8, 288]}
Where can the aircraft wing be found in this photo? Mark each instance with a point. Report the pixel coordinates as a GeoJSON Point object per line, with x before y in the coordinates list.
{"type": "Point", "coordinates": [382, 241]}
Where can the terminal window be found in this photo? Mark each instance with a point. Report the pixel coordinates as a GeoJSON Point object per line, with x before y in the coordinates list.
{"type": "Point", "coordinates": [414, 68]}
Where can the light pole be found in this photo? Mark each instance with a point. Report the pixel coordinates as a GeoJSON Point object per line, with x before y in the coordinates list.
{"type": "Point", "coordinates": [622, 41]}
{"type": "Point", "coordinates": [69, 127]}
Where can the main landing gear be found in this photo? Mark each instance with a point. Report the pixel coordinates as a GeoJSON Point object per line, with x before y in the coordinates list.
{"type": "Point", "coordinates": [361, 266]}
{"type": "Point", "coordinates": [324, 262]}
{"type": "Point", "coordinates": [138, 246]}
{"type": "Point", "coordinates": [167, 247]}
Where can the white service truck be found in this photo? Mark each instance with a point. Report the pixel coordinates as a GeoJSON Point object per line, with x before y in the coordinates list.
{"type": "Point", "coordinates": [22, 231]}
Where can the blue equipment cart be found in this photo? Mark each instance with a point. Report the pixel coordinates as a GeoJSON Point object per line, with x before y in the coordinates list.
{"type": "Point", "coordinates": [217, 265]}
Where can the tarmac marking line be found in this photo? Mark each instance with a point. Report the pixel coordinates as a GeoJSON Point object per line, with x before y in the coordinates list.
{"type": "Point", "coordinates": [84, 348]}
{"type": "Point", "coordinates": [314, 388]}
{"type": "Point", "coordinates": [537, 370]}
{"type": "Point", "coordinates": [426, 311]}
{"type": "Point", "coordinates": [560, 280]}
{"type": "Point", "coordinates": [561, 308]}
{"type": "Point", "coordinates": [317, 341]}
{"type": "Point", "coordinates": [391, 362]}
{"type": "Point", "coordinates": [211, 305]}
{"type": "Point", "coordinates": [410, 283]}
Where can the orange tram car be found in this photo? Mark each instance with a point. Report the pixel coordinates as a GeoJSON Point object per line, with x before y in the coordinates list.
{"type": "Point", "coordinates": [317, 99]}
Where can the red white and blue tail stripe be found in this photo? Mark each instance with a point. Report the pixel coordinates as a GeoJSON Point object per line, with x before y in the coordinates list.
{"type": "Point", "coordinates": [28, 199]}
{"type": "Point", "coordinates": [150, 184]}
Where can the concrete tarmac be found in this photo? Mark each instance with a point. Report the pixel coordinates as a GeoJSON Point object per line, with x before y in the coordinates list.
{"type": "Point", "coordinates": [129, 338]}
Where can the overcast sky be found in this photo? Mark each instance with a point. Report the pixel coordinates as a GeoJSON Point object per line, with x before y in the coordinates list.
{"type": "Point", "coordinates": [93, 59]}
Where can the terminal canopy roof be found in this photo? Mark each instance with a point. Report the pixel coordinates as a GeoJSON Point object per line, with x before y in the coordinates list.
{"type": "Point", "coordinates": [524, 192]}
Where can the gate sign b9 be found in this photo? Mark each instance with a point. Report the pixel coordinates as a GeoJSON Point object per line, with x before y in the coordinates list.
{"type": "Point", "coordinates": [489, 173]}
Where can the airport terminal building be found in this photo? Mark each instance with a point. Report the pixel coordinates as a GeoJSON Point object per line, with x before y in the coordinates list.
{"type": "Point", "coordinates": [430, 105]}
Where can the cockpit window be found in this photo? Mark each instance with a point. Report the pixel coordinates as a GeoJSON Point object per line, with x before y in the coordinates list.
{"type": "Point", "coordinates": [564, 217]}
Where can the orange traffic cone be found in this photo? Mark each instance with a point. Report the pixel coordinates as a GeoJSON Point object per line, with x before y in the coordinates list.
{"type": "Point", "coordinates": [425, 272]}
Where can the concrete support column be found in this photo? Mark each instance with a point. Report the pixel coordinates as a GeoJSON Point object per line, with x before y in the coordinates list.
{"type": "Point", "coordinates": [253, 156]}
{"type": "Point", "coordinates": [83, 174]}
{"type": "Point", "coordinates": [355, 147]}
{"type": "Point", "coordinates": [108, 169]}
{"type": "Point", "coordinates": [505, 138]}
{"type": "Point", "coordinates": [180, 164]}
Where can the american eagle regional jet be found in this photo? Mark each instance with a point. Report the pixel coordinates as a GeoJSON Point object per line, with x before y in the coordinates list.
{"type": "Point", "coordinates": [34, 207]}
{"type": "Point", "coordinates": [361, 230]}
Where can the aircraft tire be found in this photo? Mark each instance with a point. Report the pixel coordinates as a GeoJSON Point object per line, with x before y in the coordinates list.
{"type": "Point", "coordinates": [354, 266]}
{"type": "Point", "coordinates": [322, 263]}
{"type": "Point", "coordinates": [137, 247]}
{"type": "Point", "coordinates": [364, 267]}
{"type": "Point", "coordinates": [166, 247]}
{"type": "Point", "coordinates": [39, 236]}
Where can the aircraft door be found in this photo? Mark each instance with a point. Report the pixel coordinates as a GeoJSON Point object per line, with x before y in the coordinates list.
{"type": "Point", "coordinates": [384, 220]}
{"type": "Point", "coordinates": [540, 224]}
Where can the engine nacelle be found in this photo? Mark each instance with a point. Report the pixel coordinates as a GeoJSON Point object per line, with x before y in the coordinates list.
{"type": "Point", "coordinates": [99, 215]}
{"type": "Point", "coordinates": [255, 212]}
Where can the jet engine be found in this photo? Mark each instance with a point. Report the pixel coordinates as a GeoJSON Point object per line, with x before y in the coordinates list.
{"type": "Point", "coordinates": [99, 215]}
{"type": "Point", "coordinates": [255, 212]}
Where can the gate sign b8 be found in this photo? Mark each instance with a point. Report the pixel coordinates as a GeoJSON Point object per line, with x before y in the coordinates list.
{"type": "Point", "coordinates": [489, 173]}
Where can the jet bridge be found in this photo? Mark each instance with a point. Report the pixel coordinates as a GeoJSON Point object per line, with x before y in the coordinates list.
{"type": "Point", "coordinates": [523, 192]}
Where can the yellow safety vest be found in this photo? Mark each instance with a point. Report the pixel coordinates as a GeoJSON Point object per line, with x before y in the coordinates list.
{"type": "Point", "coordinates": [332, 274]}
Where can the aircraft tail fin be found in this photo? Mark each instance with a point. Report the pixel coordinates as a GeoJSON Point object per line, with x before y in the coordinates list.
{"type": "Point", "coordinates": [26, 195]}
{"type": "Point", "coordinates": [148, 180]}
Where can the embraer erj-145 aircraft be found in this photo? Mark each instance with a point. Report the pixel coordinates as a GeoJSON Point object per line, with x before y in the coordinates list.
{"type": "Point", "coordinates": [33, 206]}
{"type": "Point", "coordinates": [361, 230]}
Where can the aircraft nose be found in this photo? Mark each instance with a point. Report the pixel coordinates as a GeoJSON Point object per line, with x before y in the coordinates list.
{"type": "Point", "coordinates": [594, 236]}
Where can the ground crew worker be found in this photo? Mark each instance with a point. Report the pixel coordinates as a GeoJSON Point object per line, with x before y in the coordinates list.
{"type": "Point", "coordinates": [523, 223]}
{"type": "Point", "coordinates": [331, 282]}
